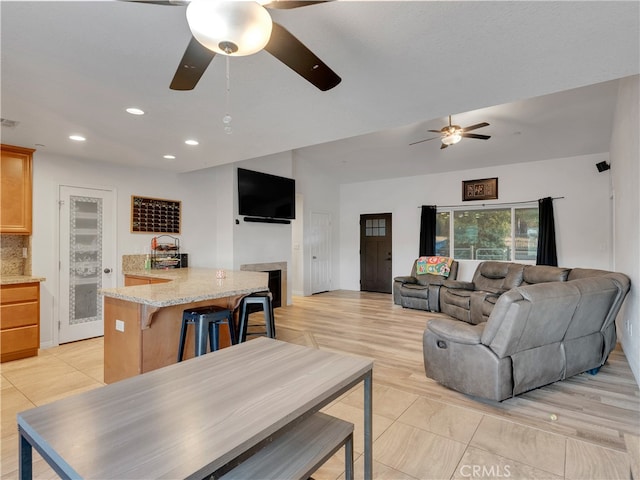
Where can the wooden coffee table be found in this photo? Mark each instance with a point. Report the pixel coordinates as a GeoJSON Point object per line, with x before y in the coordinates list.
{"type": "Point", "coordinates": [197, 418]}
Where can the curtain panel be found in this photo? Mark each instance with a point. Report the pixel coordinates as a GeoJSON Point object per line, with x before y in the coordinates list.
{"type": "Point", "coordinates": [547, 254]}
{"type": "Point", "coordinates": [427, 245]}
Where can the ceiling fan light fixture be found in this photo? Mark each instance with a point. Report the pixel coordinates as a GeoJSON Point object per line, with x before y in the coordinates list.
{"type": "Point", "coordinates": [452, 138]}
{"type": "Point", "coordinates": [235, 28]}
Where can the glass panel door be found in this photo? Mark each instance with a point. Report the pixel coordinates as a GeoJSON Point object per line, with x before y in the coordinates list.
{"type": "Point", "coordinates": [87, 260]}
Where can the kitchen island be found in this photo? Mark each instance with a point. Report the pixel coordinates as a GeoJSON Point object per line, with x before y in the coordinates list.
{"type": "Point", "coordinates": [142, 322]}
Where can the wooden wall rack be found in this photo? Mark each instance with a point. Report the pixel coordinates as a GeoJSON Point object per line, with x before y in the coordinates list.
{"type": "Point", "coordinates": [155, 215]}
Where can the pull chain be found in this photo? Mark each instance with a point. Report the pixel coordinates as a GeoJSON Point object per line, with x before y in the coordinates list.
{"type": "Point", "coordinates": [226, 120]}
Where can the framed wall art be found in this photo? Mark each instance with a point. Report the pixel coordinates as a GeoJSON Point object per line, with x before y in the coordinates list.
{"type": "Point", "coordinates": [483, 189]}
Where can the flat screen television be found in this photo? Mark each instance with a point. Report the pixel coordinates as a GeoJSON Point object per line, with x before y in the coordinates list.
{"type": "Point", "coordinates": [266, 196]}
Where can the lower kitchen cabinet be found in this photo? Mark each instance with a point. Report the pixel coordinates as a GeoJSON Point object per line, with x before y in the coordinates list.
{"type": "Point", "coordinates": [19, 321]}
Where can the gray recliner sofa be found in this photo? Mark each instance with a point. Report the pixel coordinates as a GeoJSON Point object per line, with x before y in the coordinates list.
{"type": "Point", "coordinates": [535, 334]}
{"type": "Point", "coordinates": [421, 292]}
{"type": "Point", "coordinates": [473, 301]}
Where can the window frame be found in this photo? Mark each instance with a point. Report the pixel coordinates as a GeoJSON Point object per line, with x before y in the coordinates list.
{"type": "Point", "coordinates": [504, 206]}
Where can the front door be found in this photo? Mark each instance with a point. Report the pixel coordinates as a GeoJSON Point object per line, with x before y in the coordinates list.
{"type": "Point", "coordinates": [375, 253]}
{"type": "Point", "coordinates": [87, 260]}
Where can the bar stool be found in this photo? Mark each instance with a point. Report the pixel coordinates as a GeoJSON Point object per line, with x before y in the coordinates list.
{"type": "Point", "coordinates": [206, 321]}
{"type": "Point", "coordinates": [264, 300]}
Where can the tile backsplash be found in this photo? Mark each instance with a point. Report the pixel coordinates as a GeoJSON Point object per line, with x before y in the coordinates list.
{"type": "Point", "coordinates": [11, 254]}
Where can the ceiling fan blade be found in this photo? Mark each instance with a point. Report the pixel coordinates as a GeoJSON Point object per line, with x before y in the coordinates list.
{"type": "Point", "coordinates": [194, 62]}
{"type": "Point", "coordinates": [287, 4]}
{"type": "Point", "coordinates": [473, 127]}
{"type": "Point", "coordinates": [422, 141]}
{"type": "Point", "coordinates": [435, 131]}
{"type": "Point", "coordinates": [290, 51]}
{"type": "Point", "coordinates": [475, 135]}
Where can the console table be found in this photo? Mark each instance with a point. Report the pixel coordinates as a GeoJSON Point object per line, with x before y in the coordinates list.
{"type": "Point", "coordinates": [193, 419]}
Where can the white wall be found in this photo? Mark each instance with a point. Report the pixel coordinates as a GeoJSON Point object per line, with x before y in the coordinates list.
{"type": "Point", "coordinates": [625, 173]}
{"type": "Point", "coordinates": [321, 195]}
{"type": "Point", "coordinates": [297, 254]}
{"type": "Point", "coordinates": [582, 218]}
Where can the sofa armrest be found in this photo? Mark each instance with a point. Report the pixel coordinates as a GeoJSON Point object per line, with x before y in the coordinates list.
{"type": "Point", "coordinates": [406, 279]}
{"type": "Point", "coordinates": [456, 331]}
{"type": "Point", "coordinates": [459, 284]}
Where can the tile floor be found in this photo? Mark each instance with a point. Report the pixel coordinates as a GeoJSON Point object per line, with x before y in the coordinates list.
{"type": "Point", "coordinates": [414, 437]}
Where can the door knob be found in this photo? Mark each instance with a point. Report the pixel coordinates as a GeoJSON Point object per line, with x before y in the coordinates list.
{"type": "Point", "coordinates": [107, 270]}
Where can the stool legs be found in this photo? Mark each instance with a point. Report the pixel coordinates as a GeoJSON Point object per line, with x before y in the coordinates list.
{"type": "Point", "coordinates": [207, 326]}
{"type": "Point", "coordinates": [214, 333]}
{"type": "Point", "coordinates": [183, 338]}
{"type": "Point", "coordinates": [201, 336]}
{"type": "Point", "coordinates": [267, 307]}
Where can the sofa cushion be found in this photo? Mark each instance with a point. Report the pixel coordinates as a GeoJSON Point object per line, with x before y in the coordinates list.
{"type": "Point", "coordinates": [454, 331]}
{"type": "Point", "coordinates": [414, 290]}
{"type": "Point", "coordinates": [497, 277]}
{"type": "Point", "coordinates": [597, 294]}
{"type": "Point", "coordinates": [458, 297]}
{"type": "Point", "coordinates": [543, 273]}
{"type": "Point", "coordinates": [540, 317]}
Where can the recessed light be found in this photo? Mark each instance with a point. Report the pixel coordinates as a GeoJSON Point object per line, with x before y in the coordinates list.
{"type": "Point", "coordinates": [135, 111]}
{"type": "Point", "coordinates": [191, 142]}
{"type": "Point", "coordinates": [169, 157]}
{"type": "Point", "coordinates": [77, 138]}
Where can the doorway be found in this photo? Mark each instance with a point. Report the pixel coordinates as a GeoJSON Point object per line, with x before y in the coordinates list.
{"type": "Point", "coordinates": [87, 260]}
{"type": "Point", "coordinates": [375, 253]}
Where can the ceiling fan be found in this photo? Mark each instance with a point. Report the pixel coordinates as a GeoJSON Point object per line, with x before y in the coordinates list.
{"type": "Point", "coordinates": [237, 28]}
{"type": "Point", "coordinates": [452, 134]}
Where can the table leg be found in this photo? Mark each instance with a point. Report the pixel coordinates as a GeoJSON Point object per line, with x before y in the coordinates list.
{"type": "Point", "coordinates": [25, 454]}
{"type": "Point", "coordinates": [368, 427]}
{"type": "Point", "coordinates": [348, 458]}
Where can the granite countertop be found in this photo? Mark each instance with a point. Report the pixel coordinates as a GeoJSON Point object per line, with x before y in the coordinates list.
{"type": "Point", "coordinates": [17, 279]}
{"type": "Point", "coordinates": [189, 285]}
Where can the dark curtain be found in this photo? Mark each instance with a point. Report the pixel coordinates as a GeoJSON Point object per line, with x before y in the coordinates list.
{"type": "Point", "coordinates": [427, 231]}
{"type": "Point", "coordinates": [547, 254]}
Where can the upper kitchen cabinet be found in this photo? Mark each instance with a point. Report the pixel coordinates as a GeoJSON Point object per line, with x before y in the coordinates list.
{"type": "Point", "coordinates": [15, 190]}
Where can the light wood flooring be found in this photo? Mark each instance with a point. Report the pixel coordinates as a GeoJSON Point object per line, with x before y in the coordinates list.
{"type": "Point", "coordinates": [586, 427]}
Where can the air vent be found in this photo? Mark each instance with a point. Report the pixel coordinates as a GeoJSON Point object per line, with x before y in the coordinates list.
{"type": "Point", "coordinates": [5, 122]}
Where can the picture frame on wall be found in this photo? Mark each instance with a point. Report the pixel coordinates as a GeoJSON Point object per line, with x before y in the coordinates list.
{"type": "Point", "coordinates": [482, 189]}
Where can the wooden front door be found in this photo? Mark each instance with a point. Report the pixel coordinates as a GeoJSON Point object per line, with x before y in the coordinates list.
{"type": "Point", "coordinates": [375, 253]}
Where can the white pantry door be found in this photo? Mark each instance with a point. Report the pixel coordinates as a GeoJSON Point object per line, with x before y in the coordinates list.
{"type": "Point", "coordinates": [87, 260]}
{"type": "Point", "coordinates": [320, 250]}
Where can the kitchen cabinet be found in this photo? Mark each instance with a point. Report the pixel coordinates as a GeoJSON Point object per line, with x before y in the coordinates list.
{"type": "Point", "coordinates": [16, 190]}
{"type": "Point", "coordinates": [19, 320]}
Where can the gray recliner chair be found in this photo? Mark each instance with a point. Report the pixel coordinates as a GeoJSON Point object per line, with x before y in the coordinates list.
{"type": "Point", "coordinates": [421, 292]}
{"type": "Point", "coordinates": [535, 335]}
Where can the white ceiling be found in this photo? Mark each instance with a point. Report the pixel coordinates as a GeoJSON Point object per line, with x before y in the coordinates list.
{"type": "Point", "coordinates": [73, 67]}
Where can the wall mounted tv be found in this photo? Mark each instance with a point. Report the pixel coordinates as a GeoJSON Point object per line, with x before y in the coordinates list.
{"type": "Point", "coordinates": [265, 196]}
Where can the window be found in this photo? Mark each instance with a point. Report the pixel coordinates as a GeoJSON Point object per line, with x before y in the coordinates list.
{"type": "Point", "coordinates": [504, 233]}
{"type": "Point", "coordinates": [375, 227]}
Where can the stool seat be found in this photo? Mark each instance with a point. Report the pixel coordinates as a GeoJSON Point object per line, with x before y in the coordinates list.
{"type": "Point", "coordinates": [206, 321]}
{"type": "Point", "coordinates": [264, 300]}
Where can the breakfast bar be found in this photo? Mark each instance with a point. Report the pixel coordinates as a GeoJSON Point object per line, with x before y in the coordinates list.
{"type": "Point", "coordinates": [142, 321]}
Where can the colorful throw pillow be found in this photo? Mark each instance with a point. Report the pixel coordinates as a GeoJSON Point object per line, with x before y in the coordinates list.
{"type": "Point", "coordinates": [435, 265]}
